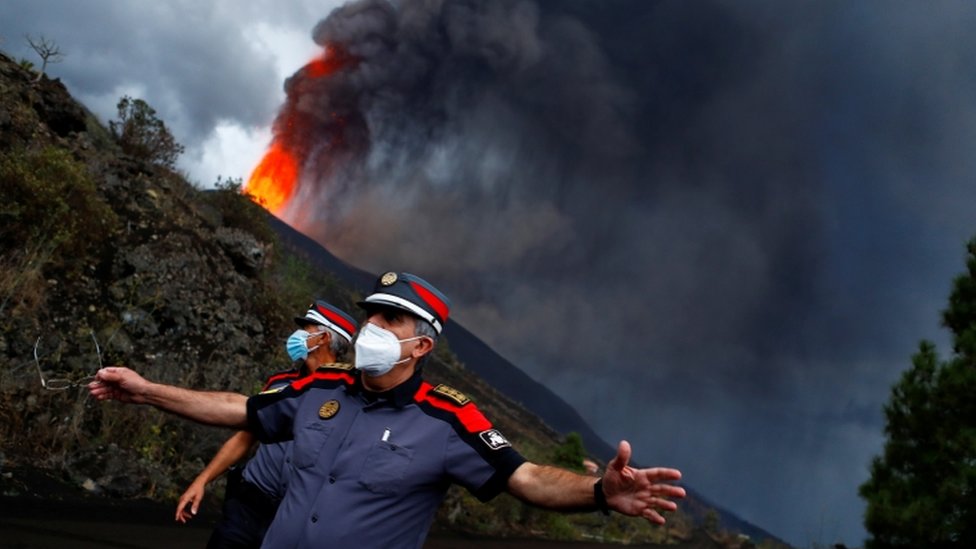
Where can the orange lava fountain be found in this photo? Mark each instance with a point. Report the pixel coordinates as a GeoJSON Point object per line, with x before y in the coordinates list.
{"type": "Point", "coordinates": [273, 182]}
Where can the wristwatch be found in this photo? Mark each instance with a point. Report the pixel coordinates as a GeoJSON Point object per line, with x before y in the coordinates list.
{"type": "Point", "coordinates": [600, 498]}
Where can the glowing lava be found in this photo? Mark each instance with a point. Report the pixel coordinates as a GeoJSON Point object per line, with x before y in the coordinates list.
{"type": "Point", "coordinates": [273, 182]}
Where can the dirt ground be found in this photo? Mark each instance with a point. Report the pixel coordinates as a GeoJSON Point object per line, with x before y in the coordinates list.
{"type": "Point", "coordinates": [37, 524]}
{"type": "Point", "coordinates": [37, 512]}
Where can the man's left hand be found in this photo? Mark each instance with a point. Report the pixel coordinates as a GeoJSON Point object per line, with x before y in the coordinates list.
{"type": "Point", "coordinates": [640, 492]}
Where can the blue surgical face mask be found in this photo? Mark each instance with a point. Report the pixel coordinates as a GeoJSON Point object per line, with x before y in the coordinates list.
{"type": "Point", "coordinates": [297, 345]}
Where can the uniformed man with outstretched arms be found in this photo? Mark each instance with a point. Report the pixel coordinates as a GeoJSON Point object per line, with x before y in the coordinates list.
{"type": "Point", "coordinates": [376, 446]}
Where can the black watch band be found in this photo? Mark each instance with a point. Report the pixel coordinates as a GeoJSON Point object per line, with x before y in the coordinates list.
{"type": "Point", "coordinates": [600, 498]}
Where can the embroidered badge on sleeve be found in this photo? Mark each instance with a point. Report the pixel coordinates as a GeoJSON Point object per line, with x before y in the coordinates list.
{"type": "Point", "coordinates": [494, 439]}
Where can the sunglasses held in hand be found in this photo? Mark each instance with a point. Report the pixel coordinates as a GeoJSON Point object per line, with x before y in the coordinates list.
{"type": "Point", "coordinates": [61, 384]}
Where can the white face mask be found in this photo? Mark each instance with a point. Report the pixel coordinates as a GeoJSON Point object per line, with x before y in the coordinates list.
{"type": "Point", "coordinates": [378, 350]}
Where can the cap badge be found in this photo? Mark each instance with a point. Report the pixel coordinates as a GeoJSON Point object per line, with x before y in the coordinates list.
{"type": "Point", "coordinates": [388, 279]}
{"type": "Point", "coordinates": [329, 409]}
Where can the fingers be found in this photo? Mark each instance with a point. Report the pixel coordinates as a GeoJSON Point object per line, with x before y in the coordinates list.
{"type": "Point", "coordinates": [653, 516]}
{"type": "Point", "coordinates": [109, 373]}
{"type": "Point", "coordinates": [652, 512]}
{"type": "Point", "coordinates": [183, 515]}
{"type": "Point", "coordinates": [187, 506]}
{"type": "Point", "coordinates": [658, 474]}
{"type": "Point", "coordinates": [662, 504]}
{"type": "Point", "coordinates": [109, 382]}
{"type": "Point", "coordinates": [668, 491]}
{"type": "Point", "coordinates": [99, 390]}
{"type": "Point", "coordinates": [620, 461]}
{"type": "Point", "coordinates": [181, 507]}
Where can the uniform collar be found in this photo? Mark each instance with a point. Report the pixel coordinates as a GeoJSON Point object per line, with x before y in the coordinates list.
{"type": "Point", "coordinates": [399, 396]}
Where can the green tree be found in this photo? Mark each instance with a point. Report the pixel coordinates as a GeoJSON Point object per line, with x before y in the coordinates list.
{"type": "Point", "coordinates": [141, 134]}
{"type": "Point", "coordinates": [570, 454]}
{"type": "Point", "coordinates": [922, 489]}
{"type": "Point", "coordinates": [711, 522]}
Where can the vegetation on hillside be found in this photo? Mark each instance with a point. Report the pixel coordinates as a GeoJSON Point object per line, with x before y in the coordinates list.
{"type": "Point", "coordinates": [144, 136]}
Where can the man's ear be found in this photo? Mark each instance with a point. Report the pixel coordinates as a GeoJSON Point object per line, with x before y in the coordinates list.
{"type": "Point", "coordinates": [327, 341]}
{"type": "Point", "coordinates": [424, 346]}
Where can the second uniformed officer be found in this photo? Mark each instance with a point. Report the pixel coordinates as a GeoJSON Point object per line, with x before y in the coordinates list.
{"type": "Point", "coordinates": [252, 497]}
{"type": "Point", "coordinates": [376, 447]}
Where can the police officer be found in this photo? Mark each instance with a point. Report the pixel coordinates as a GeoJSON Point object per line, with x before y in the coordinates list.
{"type": "Point", "coordinates": [253, 494]}
{"type": "Point", "coordinates": [376, 447]}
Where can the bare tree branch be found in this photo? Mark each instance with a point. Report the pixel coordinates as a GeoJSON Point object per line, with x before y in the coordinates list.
{"type": "Point", "coordinates": [48, 50]}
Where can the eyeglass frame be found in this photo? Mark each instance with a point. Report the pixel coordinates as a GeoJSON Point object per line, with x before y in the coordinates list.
{"type": "Point", "coordinates": [63, 384]}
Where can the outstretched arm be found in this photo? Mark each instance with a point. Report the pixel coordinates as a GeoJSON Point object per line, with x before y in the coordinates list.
{"type": "Point", "coordinates": [552, 487]}
{"type": "Point", "coordinates": [633, 492]}
{"type": "Point", "coordinates": [210, 408]}
{"type": "Point", "coordinates": [230, 453]}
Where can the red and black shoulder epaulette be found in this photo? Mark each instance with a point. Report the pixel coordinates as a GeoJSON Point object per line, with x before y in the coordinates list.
{"type": "Point", "coordinates": [343, 366]}
{"type": "Point", "coordinates": [284, 376]}
{"type": "Point", "coordinates": [336, 371]}
{"type": "Point", "coordinates": [457, 404]}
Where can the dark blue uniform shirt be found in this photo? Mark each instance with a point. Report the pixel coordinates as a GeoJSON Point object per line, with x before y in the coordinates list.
{"type": "Point", "coordinates": [371, 469]}
{"type": "Point", "coordinates": [269, 468]}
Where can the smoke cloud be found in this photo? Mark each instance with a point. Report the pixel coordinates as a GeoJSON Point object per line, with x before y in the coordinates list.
{"type": "Point", "coordinates": [716, 228]}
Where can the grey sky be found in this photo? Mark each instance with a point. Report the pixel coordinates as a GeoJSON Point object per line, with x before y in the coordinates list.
{"type": "Point", "coordinates": [718, 229]}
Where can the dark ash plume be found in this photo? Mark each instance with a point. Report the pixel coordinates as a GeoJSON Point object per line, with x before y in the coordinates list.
{"type": "Point", "coordinates": [676, 214]}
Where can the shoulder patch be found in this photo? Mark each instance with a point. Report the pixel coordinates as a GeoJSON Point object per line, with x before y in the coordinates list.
{"type": "Point", "coordinates": [344, 366]}
{"type": "Point", "coordinates": [452, 394]}
{"type": "Point", "coordinates": [493, 439]}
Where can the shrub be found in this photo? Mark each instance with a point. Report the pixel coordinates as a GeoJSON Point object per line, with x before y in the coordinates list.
{"type": "Point", "coordinates": [570, 454]}
{"type": "Point", "coordinates": [49, 204]}
{"type": "Point", "coordinates": [237, 211]}
{"type": "Point", "coordinates": [141, 134]}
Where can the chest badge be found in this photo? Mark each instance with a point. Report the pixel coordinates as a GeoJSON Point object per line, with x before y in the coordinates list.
{"type": "Point", "coordinates": [329, 409]}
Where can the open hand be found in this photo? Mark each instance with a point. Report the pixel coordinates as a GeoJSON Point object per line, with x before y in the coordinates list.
{"type": "Point", "coordinates": [640, 492]}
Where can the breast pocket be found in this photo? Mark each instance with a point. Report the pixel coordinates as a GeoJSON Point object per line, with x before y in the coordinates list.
{"type": "Point", "coordinates": [309, 443]}
{"type": "Point", "coordinates": [385, 468]}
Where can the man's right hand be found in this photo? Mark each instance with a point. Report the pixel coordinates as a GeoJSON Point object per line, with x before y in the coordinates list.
{"type": "Point", "coordinates": [192, 498]}
{"type": "Point", "coordinates": [119, 383]}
